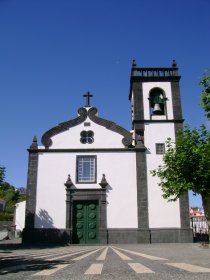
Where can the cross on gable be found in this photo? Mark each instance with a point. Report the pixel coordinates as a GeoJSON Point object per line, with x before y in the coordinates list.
{"type": "Point", "coordinates": [88, 95]}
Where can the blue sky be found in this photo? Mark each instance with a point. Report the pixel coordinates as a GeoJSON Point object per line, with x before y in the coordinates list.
{"type": "Point", "coordinates": [53, 51]}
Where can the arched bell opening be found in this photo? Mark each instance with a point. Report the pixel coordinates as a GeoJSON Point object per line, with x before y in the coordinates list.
{"type": "Point", "coordinates": [157, 102]}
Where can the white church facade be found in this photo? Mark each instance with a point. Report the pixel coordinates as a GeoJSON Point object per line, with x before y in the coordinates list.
{"type": "Point", "coordinates": [90, 181]}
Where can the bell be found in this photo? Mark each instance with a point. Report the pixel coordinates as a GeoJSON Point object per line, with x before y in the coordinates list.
{"type": "Point", "coordinates": [157, 110]}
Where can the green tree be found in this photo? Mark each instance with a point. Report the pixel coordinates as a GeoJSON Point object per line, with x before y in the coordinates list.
{"type": "Point", "coordinates": [205, 94]}
{"type": "Point", "coordinates": [2, 174]}
{"type": "Point", "coordinates": [186, 166]}
{"type": "Point", "coordinates": [186, 163]}
{"type": "Point", "coordinates": [11, 195]}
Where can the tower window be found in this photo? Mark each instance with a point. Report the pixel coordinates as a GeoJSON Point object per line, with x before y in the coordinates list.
{"type": "Point", "coordinates": [87, 137]}
{"type": "Point", "coordinates": [160, 148]}
{"type": "Point", "coordinates": [86, 169]}
{"type": "Point", "coordinates": [157, 102]}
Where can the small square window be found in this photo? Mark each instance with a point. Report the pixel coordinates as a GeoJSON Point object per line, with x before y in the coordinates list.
{"type": "Point", "coordinates": [86, 169]}
{"type": "Point", "coordinates": [160, 148]}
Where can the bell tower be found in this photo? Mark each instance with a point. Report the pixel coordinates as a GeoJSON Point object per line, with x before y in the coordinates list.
{"type": "Point", "coordinates": [155, 97]}
{"type": "Point", "coordinates": [156, 115]}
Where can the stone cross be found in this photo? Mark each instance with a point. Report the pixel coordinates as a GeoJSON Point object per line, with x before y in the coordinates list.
{"type": "Point", "coordinates": [88, 95]}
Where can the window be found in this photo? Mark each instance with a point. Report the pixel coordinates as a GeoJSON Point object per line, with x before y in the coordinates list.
{"type": "Point", "coordinates": [87, 137]}
{"type": "Point", "coordinates": [86, 169]}
{"type": "Point", "coordinates": [160, 148]}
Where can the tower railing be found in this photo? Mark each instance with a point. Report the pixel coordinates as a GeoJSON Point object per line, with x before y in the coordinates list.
{"type": "Point", "coordinates": [154, 72]}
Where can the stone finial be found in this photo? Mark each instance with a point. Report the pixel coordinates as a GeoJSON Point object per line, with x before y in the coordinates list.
{"type": "Point", "coordinates": [175, 70]}
{"type": "Point", "coordinates": [34, 144]}
{"type": "Point", "coordinates": [134, 68]}
{"type": "Point", "coordinates": [68, 183]}
{"type": "Point", "coordinates": [134, 65]}
{"type": "Point", "coordinates": [103, 183]}
{"type": "Point", "coordinates": [174, 65]}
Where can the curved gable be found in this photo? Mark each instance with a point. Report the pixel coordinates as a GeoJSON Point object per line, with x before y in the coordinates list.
{"type": "Point", "coordinates": [103, 130]}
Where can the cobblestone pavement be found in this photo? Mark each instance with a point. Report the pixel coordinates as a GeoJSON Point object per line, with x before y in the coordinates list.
{"type": "Point", "coordinates": [134, 261]}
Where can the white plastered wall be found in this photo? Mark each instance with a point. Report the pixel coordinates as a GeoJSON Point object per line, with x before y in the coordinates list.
{"type": "Point", "coordinates": [103, 137]}
{"type": "Point", "coordinates": [120, 170]}
{"type": "Point", "coordinates": [20, 209]}
{"type": "Point", "coordinates": [162, 214]}
{"type": "Point", "coordinates": [122, 192]}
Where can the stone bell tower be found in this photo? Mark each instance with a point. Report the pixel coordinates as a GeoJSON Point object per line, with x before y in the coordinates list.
{"type": "Point", "coordinates": [155, 96]}
{"type": "Point", "coordinates": [156, 116]}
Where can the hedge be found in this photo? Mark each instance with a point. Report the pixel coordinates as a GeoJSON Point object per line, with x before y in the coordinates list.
{"type": "Point", "coordinates": [6, 216]}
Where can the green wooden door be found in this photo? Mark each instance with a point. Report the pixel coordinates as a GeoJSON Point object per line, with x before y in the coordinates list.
{"type": "Point", "coordinates": [85, 222]}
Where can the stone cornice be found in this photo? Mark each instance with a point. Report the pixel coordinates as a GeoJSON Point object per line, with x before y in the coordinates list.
{"type": "Point", "coordinates": [159, 121]}
{"type": "Point", "coordinates": [88, 150]}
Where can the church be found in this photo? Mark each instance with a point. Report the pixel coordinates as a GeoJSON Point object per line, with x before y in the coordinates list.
{"type": "Point", "coordinates": [90, 181]}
